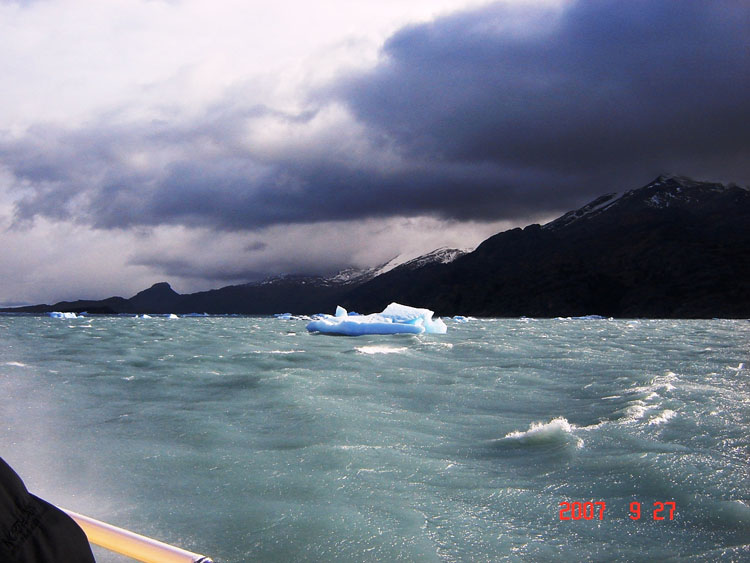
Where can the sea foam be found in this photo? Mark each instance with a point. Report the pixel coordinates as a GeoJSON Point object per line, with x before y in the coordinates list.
{"type": "Point", "coordinates": [557, 430]}
{"type": "Point", "coordinates": [380, 350]}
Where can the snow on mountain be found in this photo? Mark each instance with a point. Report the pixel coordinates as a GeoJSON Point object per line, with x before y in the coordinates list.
{"type": "Point", "coordinates": [665, 191]}
{"type": "Point", "coordinates": [674, 248]}
{"type": "Point", "coordinates": [356, 276]}
{"type": "Point", "coordinates": [438, 256]}
{"type": "Point", "coordinates": [599, 204]}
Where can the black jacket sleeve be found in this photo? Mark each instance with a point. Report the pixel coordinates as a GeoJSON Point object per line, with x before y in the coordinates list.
{"type": "Point", "coordinates": [34, 531]}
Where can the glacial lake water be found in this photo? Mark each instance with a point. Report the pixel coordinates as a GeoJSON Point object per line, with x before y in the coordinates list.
{"type": "Point", "coordinates": [250, 439]}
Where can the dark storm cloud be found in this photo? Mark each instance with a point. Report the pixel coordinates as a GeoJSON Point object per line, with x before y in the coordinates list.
{"type": "Point", "coordinates": [188, 269]}
{"type": "Point", "coordinates": [607, 90]}
{"type": "Point", "coordinates": [209, 179]}
{"type": "Point", "coordinates": [491, 114]}
{"type": "Point", "coordinates": [256, 246]}
{"type": "Point", "coordinates": [114, 175]}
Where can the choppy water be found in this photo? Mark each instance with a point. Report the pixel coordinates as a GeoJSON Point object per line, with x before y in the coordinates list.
{"type": "Point", "coordinates": [249, 439]}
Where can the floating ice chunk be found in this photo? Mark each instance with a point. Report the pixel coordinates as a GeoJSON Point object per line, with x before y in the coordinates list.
{"type": "Point", "coordinates": [290, 317]}
{"type": "Point", "coordinates": [395, 319]}
{"type": "Point", "coordinates": [58, 315]}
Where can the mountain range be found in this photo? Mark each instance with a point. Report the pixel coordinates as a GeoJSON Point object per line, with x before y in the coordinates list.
{"type": "Point", "coordinates": [675, 248]}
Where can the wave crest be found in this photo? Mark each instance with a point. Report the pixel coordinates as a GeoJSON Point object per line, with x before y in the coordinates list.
{"type": "Point", "coordinates": [379, 350]}
{"type": "Point", "coordinates": [556, 431]}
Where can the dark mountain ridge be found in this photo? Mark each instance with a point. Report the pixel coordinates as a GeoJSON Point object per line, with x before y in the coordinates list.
{"type": "Point", "coordinates": [675, 248]}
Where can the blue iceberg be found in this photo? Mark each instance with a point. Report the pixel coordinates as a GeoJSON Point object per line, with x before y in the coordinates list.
{"type": "Point", "coordinates": [59, 315]}
{"type": "Point", "coordinates": [395, 319]}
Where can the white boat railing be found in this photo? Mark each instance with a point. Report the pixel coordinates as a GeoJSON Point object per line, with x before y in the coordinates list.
{"type": "Point", "coordinates": [130, 544]}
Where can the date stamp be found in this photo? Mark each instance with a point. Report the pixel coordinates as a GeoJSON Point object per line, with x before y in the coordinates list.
{"type": "Point", "coordinates": [594, 510]}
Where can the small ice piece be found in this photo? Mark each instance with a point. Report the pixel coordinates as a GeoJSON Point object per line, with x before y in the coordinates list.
{"type": "Point", "coordinates": [283, 316]}
{"type": "Point", "coordinates": [395, 319]}
{"type": "Point", "coordinates": [59, 315]}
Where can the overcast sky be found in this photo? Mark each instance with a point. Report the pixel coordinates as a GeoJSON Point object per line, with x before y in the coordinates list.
{"type": "Point", "coordinates": [213, 143]}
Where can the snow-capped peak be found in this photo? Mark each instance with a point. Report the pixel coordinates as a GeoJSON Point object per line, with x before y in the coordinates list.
{"type": "Point", "coordinates": [663, 192]}
{"type": "Point", "coordinates": [438, 256]}
{"type": "Point", "coordinates": [593, 208]}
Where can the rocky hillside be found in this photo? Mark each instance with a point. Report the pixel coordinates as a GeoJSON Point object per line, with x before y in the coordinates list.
{"type": "Point", "coordinates": [673, 248]}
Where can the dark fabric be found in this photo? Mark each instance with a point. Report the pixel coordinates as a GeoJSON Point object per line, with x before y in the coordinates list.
{"type": "Point", "coordinates": [34, 531]}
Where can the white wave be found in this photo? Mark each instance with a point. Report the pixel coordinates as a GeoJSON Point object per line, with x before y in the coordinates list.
{"type": "Point", "coordinates": [16, 364]}
{"type": "Point", "coordinates": [635, 412]}
{"type": "Point", "coordinates": [556, 430]}
{"type": "Point", "coordinates": [282, 352]}
{"type": "Point", "coordinates": [662, 418]}
{"type": "Point", "coordinates": [436, 344]}
{"type": "Point", "coordinates": [359, 447]}
{"type": "Point", "coordinates": [380, 350]}
{"type": "Point", "coordinates": [650, 398]}
{"type": "Point", "coordinates": [665, 381]}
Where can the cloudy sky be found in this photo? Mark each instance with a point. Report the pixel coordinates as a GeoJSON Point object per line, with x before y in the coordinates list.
{"type": "Point", "coordinates": [211, 143]}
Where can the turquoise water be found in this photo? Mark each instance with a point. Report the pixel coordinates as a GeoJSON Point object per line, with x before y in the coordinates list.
{"type": "Point", "coordinates": [249, 439]}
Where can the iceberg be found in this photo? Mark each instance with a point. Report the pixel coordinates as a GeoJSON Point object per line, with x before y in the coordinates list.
{"type": "Point", "coordinates": [290, 317]}
{"type": "Point", "coordinates": [59, 315]}
{"type": "Point", "coordinates": [395, 319]}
